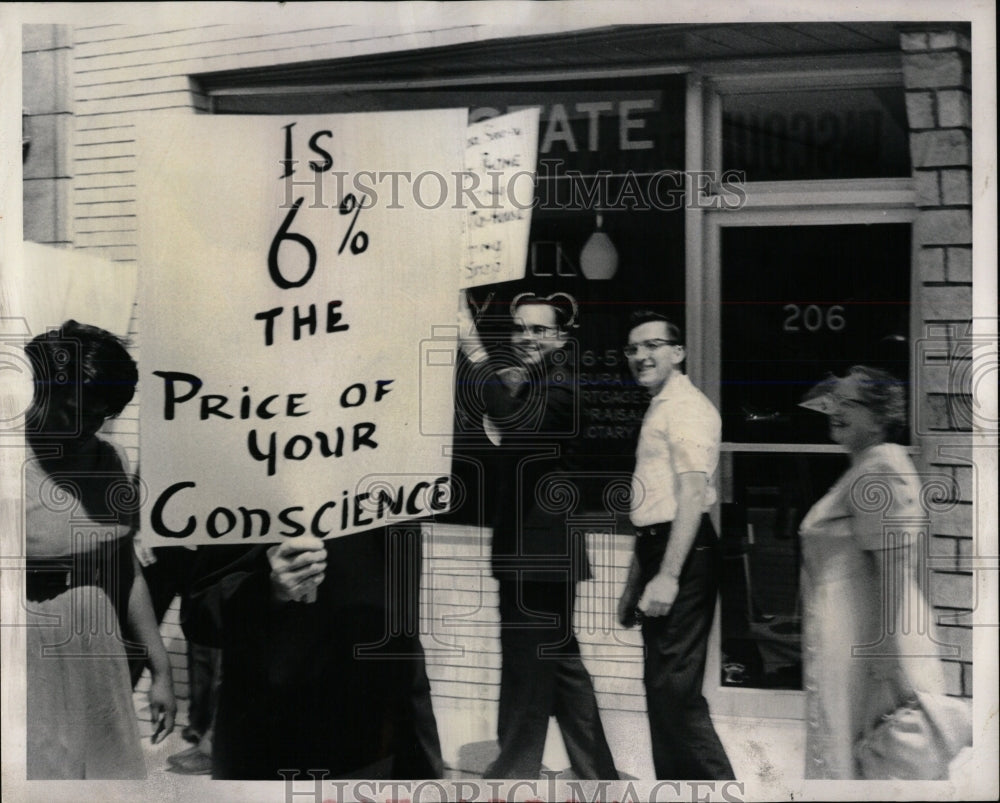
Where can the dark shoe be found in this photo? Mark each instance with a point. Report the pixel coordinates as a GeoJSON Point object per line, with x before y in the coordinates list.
{"type": "Point", "coordinates": [191, 734]}
{"type": "Point", "coordinates": [195, 763]}
{"type": "Point", "coordinates": [182, 755]}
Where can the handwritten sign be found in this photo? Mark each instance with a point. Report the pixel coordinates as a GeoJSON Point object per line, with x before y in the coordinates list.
{"type": "Point", "coordinates": [289, 294]}
{"type": "Point", "coordinates": [500, 157]}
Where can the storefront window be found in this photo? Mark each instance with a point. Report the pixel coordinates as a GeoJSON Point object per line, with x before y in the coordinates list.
{"type": "Point", "coordinates": [761, 620]}
{"type": "Point", "coordinates": [801, 301]}
{"type": "Point", "coordinates": [817, 134]}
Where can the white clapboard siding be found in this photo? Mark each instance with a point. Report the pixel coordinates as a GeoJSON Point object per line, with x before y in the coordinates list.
{"type": "Point", "coordinates": [122, 253]}
{"type": "Point", "coordinates": [102, 224]}
{"type": "Point", "coordinates": [106, 165]}
{"type": "Point", "coordinates": [105, 239]}
{"type": "Point", "coordinates": [91, 151]}
{"type": "Point", "coordinates": [103, 187]}
{"type": "Point", "coordinates": [181, 52]}
{"type": "Point", "coordinates": [105, 180]}
{"type": "Point", "coordinates": [100, 207]}
{"type": "Point", "coordinates": [104, 90]}
{"type": "Point", "coordinates": [107, 123]}
{"type": "Point", "coordinates": [89, 109]}
{"type": "Point", "coordinates": [105, 135]}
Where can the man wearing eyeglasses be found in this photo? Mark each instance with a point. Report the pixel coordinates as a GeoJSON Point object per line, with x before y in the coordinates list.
{"type": "Point", "coordinates": [674, 576]}
{"type": "Point", "coordinates": [529, 394]}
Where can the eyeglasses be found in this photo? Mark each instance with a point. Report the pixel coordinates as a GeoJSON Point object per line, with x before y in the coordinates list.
{"type": "Point", "coordinates": [647, 345]}
{"type": "Point", "coordinates": [837, 399]}
{"type": "Point", "coordinates": [535, 330]}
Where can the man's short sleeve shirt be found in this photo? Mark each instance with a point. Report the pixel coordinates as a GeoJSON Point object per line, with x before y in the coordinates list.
{"type": "Point", "coordinates": [681, 432]}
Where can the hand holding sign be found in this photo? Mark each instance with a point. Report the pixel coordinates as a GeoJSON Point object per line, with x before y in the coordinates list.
{"type": "Point", "coordinates": [513, 378]}
{"type": "Point", "coordinates": [298, 566]}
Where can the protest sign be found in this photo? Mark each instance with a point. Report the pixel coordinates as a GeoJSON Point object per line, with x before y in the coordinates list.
{"type": "Point", "coordinates": [500, 157]}
{"type": "Point", "coordinates": [293, 271]}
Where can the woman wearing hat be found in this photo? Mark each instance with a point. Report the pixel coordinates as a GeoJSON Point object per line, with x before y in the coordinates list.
{"type": "Point", "coordinates": [866, 629]}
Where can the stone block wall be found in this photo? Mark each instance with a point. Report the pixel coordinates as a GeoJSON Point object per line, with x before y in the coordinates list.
{"type": "Point", "coordinates": [937, 78]}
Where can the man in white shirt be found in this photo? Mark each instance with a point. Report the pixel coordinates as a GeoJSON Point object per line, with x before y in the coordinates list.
{"type": "Point", "coordinates": [674, 577]}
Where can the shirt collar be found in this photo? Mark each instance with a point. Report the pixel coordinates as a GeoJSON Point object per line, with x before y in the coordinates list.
{"type": "Point", "coordinates": [677, 382]}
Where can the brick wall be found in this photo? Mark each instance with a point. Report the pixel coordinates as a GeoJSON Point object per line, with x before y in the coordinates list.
{"type": "Point", "coordinates": [937, 79]}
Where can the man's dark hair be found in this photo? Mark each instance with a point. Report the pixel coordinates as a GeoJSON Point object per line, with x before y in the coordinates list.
{"type": "Point", "coordinates": [563, 305]}
{"type": "Point", "coordinates": [641, 316]}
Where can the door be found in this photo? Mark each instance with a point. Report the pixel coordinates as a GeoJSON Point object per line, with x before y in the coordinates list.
{"type": "Point", "coordinates": [809, 276]}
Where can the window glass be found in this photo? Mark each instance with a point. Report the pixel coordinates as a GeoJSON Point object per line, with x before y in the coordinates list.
{"type": "Point", "coordinates": [781, 136]}
{"type": "Point", "coordinates": [799, 302]}
{"type": "Point", "coordinates": [761, 616]}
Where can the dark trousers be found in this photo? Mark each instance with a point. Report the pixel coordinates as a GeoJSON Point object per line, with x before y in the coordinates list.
{"type": "Point", "coordinates": [685, 744]}
{"type": "Point", "coordinates": [339, 684]}
{"type": "Point", "coordinates": [204, 677]}
{"type": "Point", "coordinates": [543, 675]}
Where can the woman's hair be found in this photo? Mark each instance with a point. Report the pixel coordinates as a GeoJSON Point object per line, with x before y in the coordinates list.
{"type": "Point", "coordinates": [86, 359]}
{"type": "Point", "coordinates": [563, 304]}
{"type": "Point", "coordinates": [883, 394]}
{"type": "Point", "coordinates": [641, 316]}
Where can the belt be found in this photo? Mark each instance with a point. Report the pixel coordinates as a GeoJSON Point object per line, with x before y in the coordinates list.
{"type": "Point", "coordinates": [663, 528]}
{"type": "Point", "coordinates": [46, 581]}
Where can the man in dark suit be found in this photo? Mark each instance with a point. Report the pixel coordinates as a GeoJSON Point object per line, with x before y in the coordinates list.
{"type": "Point", "coordinates": [529, 394]}
{"type": "Point", "coordinates": [322, 667]}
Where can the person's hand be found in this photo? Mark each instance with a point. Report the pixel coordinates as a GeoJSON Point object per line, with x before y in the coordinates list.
{"type": "Point", "coordinates": [659, 595]}
{"type": "Point", "coordinates": [626, 607]}
{"type": "Point", "coordinates": [513, 377]}
{"type": "Point", "coordinates": [162, 706]}
{"type": "Point", "coordinates": [298, 566]}
{"type": "Point", "coordinates": [465, 322]}
{"type": "Point", "coordinates": [468, 335]}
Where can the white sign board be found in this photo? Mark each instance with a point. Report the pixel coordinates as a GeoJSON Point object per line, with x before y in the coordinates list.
{"type": "Point", "coordinates": [500, 156]}
{"type": "Point", "coordinates": [293, 273]}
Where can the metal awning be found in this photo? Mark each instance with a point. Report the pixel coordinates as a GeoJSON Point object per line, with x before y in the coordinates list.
{"type": "Point", "coordinates": [615, 48]}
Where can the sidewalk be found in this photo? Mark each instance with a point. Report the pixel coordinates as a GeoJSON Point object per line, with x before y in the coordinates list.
{"type": "Point", "coordinates": [760, 750]}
